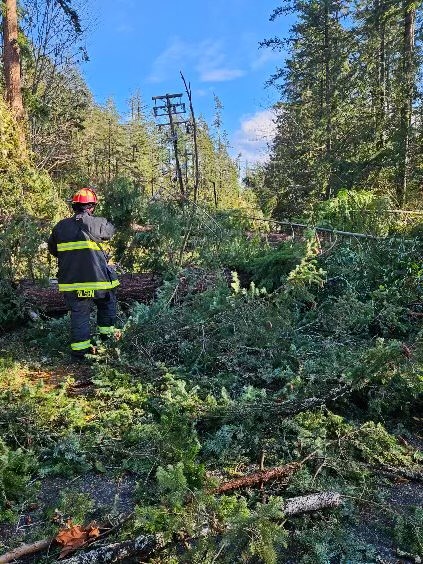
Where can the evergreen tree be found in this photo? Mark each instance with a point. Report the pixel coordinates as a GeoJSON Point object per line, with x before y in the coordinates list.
{"type": "Point", "coordinates": [312, 115]}
{"type": "Point", "coordinates": [349, 110]}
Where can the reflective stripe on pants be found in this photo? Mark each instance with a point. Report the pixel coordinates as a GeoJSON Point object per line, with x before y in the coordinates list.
{"type": "Point", "coordinates": [80, 309]}
{"type": "Point", "coordinates": [106, 330]}
{"type": "Point", "coordinates": [81, 346]}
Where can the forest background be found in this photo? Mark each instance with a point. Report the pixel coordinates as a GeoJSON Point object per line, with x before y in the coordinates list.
{"type": "Point", "coordinates": [309, 355]}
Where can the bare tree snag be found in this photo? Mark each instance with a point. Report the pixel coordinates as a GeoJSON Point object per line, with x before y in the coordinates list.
{"type": "Point", "coordinates": [280, 473]}
{"type": "Point", "coordinates": [12, 59]}
{"type": "Point", "coordinates": [313, 502]}
{"type": "Point", "coordinates": [25, 550]}
{"type": "Point", "coordinates": [143, 546]}
{"type": "Point", "coordinates": [194, 126]}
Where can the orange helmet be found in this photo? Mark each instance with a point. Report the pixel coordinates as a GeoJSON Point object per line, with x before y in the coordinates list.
{"type": "Point", "coordinates": [85, 196]}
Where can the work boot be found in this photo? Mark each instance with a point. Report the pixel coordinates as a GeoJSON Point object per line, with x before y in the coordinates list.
{"type": "Point", "coordinates": [80, 357]}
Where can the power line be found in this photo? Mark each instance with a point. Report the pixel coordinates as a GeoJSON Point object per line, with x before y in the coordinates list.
{"type": "Point", "coordinates": [171, 109]}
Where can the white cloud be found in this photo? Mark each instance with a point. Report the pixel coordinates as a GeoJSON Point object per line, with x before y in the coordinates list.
{"type": "Point", "coordinates": [256, 132]}
{"type": "Point", "coordinates": [221, 75]}
{"type": "Point", "coordinates": [170, 60]}
{"type": "Point", "coordinates": [208, 58]}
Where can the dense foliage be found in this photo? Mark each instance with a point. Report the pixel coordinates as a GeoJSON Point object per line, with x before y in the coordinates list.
{"type": "Point", "coordinates": [216, 375]}
{"type": "Point", "coordinates": [349, 116]}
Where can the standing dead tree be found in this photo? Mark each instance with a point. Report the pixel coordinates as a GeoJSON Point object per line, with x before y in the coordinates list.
{"type": "Point", "coordinates": [194, 134]}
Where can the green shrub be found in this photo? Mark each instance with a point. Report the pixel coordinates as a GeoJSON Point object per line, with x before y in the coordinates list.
{"type": "Point", "coordinates": [17, 467]}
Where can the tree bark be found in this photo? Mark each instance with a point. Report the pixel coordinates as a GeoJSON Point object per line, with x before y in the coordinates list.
{"type": "Point", "coordinates": [194, 126]}
{"type": "Point", "coordinates": [140, 547]}
{"type": "Point", "coordinates": [313, 502]}
{"type": "Point", "coordinates": [25, 550]}
{"type": "Point", "coordinates": [12, 59]}
{"type": "Point", "coordinates": [279, 473]}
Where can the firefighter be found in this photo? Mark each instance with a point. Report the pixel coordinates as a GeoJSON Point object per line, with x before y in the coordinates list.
{"type": "Point", "coordinates": [84, 276]}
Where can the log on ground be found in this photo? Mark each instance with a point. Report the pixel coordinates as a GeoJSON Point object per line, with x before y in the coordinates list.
{"type": "Point", "coordinates": [312, 502]}
{"type": "Point", "coordinates": [280, 473]}
{"type": "Point", "coordinates": [25, 550]}
{"type": "Point", "coordinates": [141, 547]}
{"type": "Point", "coordinates": [133, 287]}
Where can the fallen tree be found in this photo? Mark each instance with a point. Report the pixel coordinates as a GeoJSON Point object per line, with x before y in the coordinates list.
{"type": "Point", "coordinates": [146, 545]}
{"type": "Point", "coordinates": [142, 546]}
{"type": "Point", "coordinates": [133, 287]}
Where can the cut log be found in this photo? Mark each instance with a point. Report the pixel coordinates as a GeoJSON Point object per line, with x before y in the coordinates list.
{"type": "Point", "coordinates": [282, 473]}
{"type": "Point", "coordinates": [136, 287]}
{"type": "Point", "coordinates": [313, 502]}
{"type": "Point", "coordinates": [25, 550]}
{"type": "Point", "coordinates": [141, 547]}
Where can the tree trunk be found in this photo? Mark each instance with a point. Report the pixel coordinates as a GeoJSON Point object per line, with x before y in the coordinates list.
{"type": "Point", "coordinates": [141, 547]}
{"type": "Point", "coordinates": [328, 101]}
{"type": "Point", "coordinates": [12, 59]}
{"type": "Point", "coordinates": [313, 502]}
{"type": "Point", "coordinates": [409, 12]}
{"type": "Point", "coordinates": [381, 72]}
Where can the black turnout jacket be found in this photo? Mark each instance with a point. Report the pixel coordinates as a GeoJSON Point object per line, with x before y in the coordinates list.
{"type": "Point", "coordinates": [76, 242]}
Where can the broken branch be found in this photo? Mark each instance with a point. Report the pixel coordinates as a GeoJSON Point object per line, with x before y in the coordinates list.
{"type": "Point", "coordinates": [278, 473]}
{"type": "Point", "coordinates": [25, 550]}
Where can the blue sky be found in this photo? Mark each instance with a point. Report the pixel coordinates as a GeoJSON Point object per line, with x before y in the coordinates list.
{"type": "Point", "coordinates": [142, 45]}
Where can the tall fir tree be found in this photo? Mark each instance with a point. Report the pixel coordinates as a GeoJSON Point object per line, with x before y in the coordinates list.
{"type": "Point", "coordinates": [348, 115]}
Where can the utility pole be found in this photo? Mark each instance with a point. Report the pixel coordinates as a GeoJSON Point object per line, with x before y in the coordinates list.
{"type": "Point", "coordinates": [172, 107]}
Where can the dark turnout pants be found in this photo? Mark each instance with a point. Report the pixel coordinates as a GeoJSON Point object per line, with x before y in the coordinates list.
{"type": "Point", "coordinates": [80, 309]}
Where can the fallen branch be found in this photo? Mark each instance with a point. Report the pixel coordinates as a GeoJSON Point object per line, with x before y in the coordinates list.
{"type": "Point", "coordinates": [38, 546]}
{"type": "Point", "coordinates": [146, 545]}
{"type": "Point", "coordinates": [25, 550]}
{"type": "Point", "coordinates": [258, 478]}
{"type": "Point", "coordinates": [142, 547]}
{"type": "Point", "coordinates": [402, 473]}
{"type": "Point", "coordinates": [313, 502]}
{"type": "Point", "coordinates": [281, 409]}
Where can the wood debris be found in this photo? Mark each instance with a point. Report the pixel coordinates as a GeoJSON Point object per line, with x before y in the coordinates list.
{"type": "Point", "coordinates": [283, 473]}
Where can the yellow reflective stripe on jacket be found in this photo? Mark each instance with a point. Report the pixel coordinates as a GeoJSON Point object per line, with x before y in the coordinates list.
{"type": "Point", "coordinates": [77, 245]}
{"type": "Point", "coordinates": [81, 345]}
{"type": "Point", "coordinates": [105, 285]}
{"type": "Point", "coordinates": [106, 330]}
